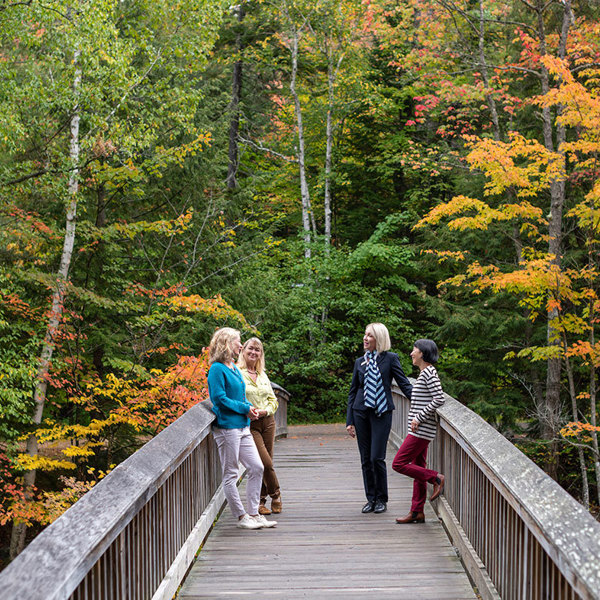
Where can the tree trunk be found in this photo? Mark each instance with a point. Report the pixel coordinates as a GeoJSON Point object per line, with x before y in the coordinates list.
{"type": "Point", "coordinates": [58, 297]}
{"type": "Point", "coordinates": [304, 192]}
{"type": "Point", "coordinates": [585, 487]}
{"type": "Point", "coordinates": [331, 78]}
{"type": "Point", "coordinates": [593, 420]}
{"type": "Point", "coordinates": [552, 409]}
{"type": "Point", "coordinates": [484, 74]}
{"type": "Point", "coordinates": [236, 91]}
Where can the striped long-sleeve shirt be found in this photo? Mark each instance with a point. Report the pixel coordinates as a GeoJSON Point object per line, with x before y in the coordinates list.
{"type": "Point", "coordinates": [427, 397]}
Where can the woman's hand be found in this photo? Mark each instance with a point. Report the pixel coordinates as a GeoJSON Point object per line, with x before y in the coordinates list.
{"type": "Point", "coordinates": [262, 412]}
{"type": "Point", "coordinates": [253, 414]}
{"type": "Point", "coordinates": [414, 425]}
{"type": "Point", "coordinates": [351, 431]}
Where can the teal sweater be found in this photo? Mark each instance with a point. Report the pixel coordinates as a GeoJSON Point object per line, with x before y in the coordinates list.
{"type": "Point", "coordinates": [227, 392]}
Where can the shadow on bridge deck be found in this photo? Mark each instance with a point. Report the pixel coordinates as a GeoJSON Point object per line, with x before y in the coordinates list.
{"type": "Point", "coordinates": [323, 547]}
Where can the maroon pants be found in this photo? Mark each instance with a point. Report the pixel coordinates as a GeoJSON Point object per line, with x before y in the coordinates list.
{"type": "Point", "coordinates": [410, 460]}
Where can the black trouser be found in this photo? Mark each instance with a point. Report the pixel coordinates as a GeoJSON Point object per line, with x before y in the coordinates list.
{"type": "Point", "coordinates": [372, 434]}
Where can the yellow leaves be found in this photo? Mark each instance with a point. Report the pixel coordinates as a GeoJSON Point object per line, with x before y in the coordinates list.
{"type": "Point", "coordinates": [171, 227]}
{"type": "Point", "coordinates": [588, 212]}
{"type": "Point", "coordinates": [446, 255]}
{"type": "Point", "coordinates": [571, 323]}
{"type": "Point", "coordinates": [580, 109]}
{"type": "Point", "coordinates": [43, 463]}
{"type": "Point", "coordinates": [458, 204]}
{"type": "Point", "coordinates": [82, 451]}
{"type": "Point", "coordinates": [538, 353]}
{"type": "Point", "coordinates": [521, 164]}
{"type": "Point", "coordinates": [481, 215]}
{"type": "Point", "coordinates": [215, 307]}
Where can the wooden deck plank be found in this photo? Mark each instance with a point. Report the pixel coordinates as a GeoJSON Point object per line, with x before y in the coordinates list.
{"type": "Point", "coordinates": [323, 547]}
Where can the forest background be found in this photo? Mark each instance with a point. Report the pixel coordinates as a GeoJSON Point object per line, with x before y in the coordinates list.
{"type": "Point", "coordinates": [295, 170]}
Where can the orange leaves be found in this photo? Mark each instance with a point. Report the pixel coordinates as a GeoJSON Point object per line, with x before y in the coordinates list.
{"type": "Point", "coordinates": [590, 354]}
{"type": "Point", "coordinates": [580, 109]}
{"type": "Point", "coordinates": [580, 431]}
{"type": "Point", "coordinates": [215, 307]}
{"type": "Point", "coordinates": [18, 307]}
{"type": "Point", "coordinates": [170, 393]}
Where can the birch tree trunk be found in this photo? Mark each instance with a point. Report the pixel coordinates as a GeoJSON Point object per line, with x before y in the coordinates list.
{"type": "Point", "coordinates": [331, 78]}
{"type": "Point", "coordinates": [39, 396]}
{"type": "Point", "coordinates": [304, 191]}
{"type": "Point", "coordinates": [484, 74]}
{"type": "Point", "coordinates": [236, 91]}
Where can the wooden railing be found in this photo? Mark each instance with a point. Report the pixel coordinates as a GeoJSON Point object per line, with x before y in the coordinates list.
{"type": "Point", "coordinates": [519, 534]}
{"type": "Point", "coordinates": [135, 534]}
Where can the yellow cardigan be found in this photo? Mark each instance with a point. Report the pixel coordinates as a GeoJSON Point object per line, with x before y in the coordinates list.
{"type": "Point", "coordinates": [260, 394]}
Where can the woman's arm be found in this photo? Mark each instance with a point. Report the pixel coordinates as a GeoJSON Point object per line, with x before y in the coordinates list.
{"type": "Point", "coordinates": [434, 386]}
{"type": "Point", "coordinates": [354, 386]}
{"type": "Point", "coordinates": [400, 377]}
{"type": "Point", "coordinates": [271, 400]}
{"type": "Point", "coordinates": [218, 395]}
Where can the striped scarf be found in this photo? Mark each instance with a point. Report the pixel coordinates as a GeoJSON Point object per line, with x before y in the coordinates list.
{"type": "Point", "coordinates": [374, 392]}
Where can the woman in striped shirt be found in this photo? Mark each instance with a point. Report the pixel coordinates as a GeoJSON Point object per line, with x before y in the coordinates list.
{"type": "Point", "coordinates": [411, 459]}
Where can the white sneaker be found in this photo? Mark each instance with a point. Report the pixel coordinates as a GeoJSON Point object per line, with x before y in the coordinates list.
{"type": "Point", "coordinates": [263, 521]}
{"type": "Point", "coordinates": [247, 522]}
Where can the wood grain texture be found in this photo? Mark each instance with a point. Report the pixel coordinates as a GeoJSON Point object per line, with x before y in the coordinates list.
{"type": "Point", "coordinates": [323, 547]}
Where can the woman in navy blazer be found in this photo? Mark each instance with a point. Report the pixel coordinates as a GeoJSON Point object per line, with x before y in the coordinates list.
{"type": "Point", "coordinates": [371, 425]}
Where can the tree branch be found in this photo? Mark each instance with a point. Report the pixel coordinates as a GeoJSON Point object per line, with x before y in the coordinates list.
{"type": "Point", "coordinates": [262, 148]}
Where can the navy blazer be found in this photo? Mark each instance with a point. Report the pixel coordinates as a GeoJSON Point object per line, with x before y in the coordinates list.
{"type": "Point", "coordinates": [390, 368]}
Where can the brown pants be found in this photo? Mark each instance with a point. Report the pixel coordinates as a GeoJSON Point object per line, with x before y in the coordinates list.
{"type": "Point", "coordinates": [263, 432]}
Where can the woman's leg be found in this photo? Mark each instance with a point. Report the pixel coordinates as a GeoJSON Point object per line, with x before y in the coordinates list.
{"type": "Point", "coordinates": [362, 427]}
{"type": "Point", "coordinates": [410, 460]}
{"type": "Point", "coordinates": [270, 477]}
{"type": "Point", "coordinates": [250, 458]}
{"type": "Point", "coordinates": [420, 487]}
{"type": "Point", "coordinates": [380, 432]}
{"type": "Point", "coordinates": [263, 432]}
{"type": "Point", "coordinates": [228, 445]}
{"type": "Point", "coordinates": [256, 430]}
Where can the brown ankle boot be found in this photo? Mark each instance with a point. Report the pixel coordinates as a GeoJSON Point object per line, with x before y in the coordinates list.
{"type": "Point", "coordinates": [262, 508]}
{"type": "Point", "coordinates": [412, 517]}
{"type": "Point", "coordinates": [276, 505]}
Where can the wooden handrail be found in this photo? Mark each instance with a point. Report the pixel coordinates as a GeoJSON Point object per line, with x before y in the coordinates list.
{"type": "Point", "coordinates": [520, 535]}
{"type": "Point", "coordinates": [134, 535]}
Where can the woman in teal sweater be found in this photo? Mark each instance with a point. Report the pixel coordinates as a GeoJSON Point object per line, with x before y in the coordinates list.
{"type": "Point", "coordinates": [231, 430]}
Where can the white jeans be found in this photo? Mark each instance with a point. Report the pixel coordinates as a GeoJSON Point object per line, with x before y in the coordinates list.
{"type": "Point", "coordinates": [237, 446]}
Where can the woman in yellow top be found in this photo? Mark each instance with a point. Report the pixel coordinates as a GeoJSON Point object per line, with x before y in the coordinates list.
{"type": "Point", "coordinates": [259, 393]}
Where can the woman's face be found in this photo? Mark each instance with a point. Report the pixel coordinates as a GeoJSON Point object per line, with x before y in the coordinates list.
{"type": "Point", "coordinates": [252, 353]}
{"type": "Point", "coordinates": [417, 356]}
{"type": "Point", "coordinates": [236, 347]}
{"type": "Point", "coordinates": [369, 342]}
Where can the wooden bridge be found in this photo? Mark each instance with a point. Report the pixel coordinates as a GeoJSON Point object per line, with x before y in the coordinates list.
{"type": "Point", "coordinates": [502, 529]}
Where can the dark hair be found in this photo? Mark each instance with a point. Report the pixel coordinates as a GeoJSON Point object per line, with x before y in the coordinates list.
{"type": "Point", "coordinates": [429, 349]}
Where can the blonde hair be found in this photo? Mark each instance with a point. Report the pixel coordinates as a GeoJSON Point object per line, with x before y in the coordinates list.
{"type": "Point", "coordinates": [220, 345]}
{"type": "Point", "coordinates": [381, 335]}
{"type": "Point", "coordinates": [260, 363]}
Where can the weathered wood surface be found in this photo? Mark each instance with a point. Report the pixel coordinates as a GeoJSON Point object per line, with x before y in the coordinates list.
{"type": "Point", "coordinates": [323, 546]}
